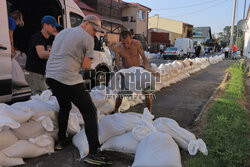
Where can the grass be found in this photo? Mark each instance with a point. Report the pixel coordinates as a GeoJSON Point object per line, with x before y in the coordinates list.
{"type": "Point", "coordinates": [226, 134]}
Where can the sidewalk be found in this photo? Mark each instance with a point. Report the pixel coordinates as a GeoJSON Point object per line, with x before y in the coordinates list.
{"type": "Point", "coordinates": [182, 102]}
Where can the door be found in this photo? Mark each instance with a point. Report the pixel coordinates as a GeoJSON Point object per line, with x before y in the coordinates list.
{"type": "Point", "coordinates": [5, 55]}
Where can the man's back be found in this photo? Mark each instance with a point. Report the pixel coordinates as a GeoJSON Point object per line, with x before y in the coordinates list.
{"type": "Point", "coordinates": [68, 50]}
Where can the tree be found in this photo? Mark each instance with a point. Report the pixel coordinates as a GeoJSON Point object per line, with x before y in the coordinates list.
{"type": "Point", "coordinates": [224, 37]}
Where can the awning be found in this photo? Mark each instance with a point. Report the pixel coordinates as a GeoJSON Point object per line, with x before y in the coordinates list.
{"type": "Point", "coordinates": [85, 12]}
{"type": "Point", "coordinates": [111, 20]}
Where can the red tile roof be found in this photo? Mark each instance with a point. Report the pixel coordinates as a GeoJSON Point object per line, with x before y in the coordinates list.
{"type": "Point", "coordinates": [87, 10]}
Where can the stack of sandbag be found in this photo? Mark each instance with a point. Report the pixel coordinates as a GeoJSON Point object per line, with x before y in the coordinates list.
{"type": "Point", "coordinates": [150, 55]}
{"type": "Point", "coordinates": [23, 135]}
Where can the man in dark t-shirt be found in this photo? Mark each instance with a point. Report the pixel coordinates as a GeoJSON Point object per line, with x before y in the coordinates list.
{"type": "Point", "coordinates": [38, 54]}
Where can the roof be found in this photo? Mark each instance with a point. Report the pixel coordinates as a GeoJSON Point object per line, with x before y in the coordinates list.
{"type": "Point", "coordinates": [87, 10]}
{"type": "Point", "coordinates": [135, 4]}
{"type": "Point", "coordinates": [203, 31]}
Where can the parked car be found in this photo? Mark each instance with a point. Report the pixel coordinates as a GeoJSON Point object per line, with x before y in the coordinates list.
{"type": "Point", "coordinates": [68, 15]}
{"type": "Point", "coordinates": [186, 45]}
{"type": "Point", "coordinates": [173, 53]}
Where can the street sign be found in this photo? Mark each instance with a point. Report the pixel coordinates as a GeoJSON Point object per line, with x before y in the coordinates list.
{"type": "Point", "coordinates": [242, 25]}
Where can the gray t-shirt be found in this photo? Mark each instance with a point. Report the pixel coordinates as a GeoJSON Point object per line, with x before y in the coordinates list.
{"type": "Point", "coordinates": [68, 50]}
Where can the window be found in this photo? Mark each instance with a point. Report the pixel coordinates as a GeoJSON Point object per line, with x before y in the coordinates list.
{"type": "Point", "coordinates": [142, 15]}
{"type": "Point", "coordinates": [125, 18]}
{"type": "Point", "coordinates": [75, 19]}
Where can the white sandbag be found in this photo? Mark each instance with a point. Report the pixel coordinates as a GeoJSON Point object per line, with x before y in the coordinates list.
{"type": "Point", "coordinates": [47, 123]}
{"type": "Point", "coordinates": [159, 150]}
{"type": "Point", "coordinates": [15, 114]}
{"type": "Point", "coordinates": [21, 58]}
{"type": "Point", "coordinates": [6, 122]}
{"type": "Point", "coordinates": [7, 138]}
{"type": "Point", "coordinates": [125, 105]}
{"type": "Point", "coordinates": [145, 126]}
{"type": "Point", "coordinates": [18, 78]}
{"type": "Point", "coordinates": [136, 79]}
{"type": "Point", "coordinates": [80, 141]}
{"type": "Point", "coordinates": [73, 124]}
{"type": "Point", "coordinates": [116, 124]}
{"type": "Point", "coordinates": [185, 139]}
{"type": "Point", "coordinates": [28, 130]}
{"type": "Point", "coordinates": [42, 141]}
{"type": "Point", "coordinates": [7, 161]}
{"type": "Point", "coordinates": [46, 97]}
{"type": "Point", "coordinates": [75, 110]}
{"type": "Point", "coordinates": [26, 149]}
{"type": "Point", "coordinates": [125, 143]}
{"type": "Point", "coordinates": [98, 95]}
{"type": "Point", "coordinates": [39, 108]}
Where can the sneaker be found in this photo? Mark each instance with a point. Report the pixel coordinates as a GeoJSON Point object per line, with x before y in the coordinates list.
{"type": "Point", "coordinates": [97, 159]}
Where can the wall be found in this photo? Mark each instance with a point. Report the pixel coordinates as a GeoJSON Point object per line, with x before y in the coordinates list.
{"type": "Point", "coordinates": [247, 41]}
{"type": "Point", "coordinates": [165, 24]}
{"type": "Point", "coordinates": [130, 11]}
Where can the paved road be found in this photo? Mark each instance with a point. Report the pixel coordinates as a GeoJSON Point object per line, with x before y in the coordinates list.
{"type": "Point", "coordinates": [181, 101]}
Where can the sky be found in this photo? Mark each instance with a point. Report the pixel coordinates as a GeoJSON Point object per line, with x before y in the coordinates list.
{"type": "Point", "coordinates": [214, 13]}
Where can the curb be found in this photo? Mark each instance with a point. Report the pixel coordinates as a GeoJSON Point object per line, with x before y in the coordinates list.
{"type": "Point", "coordinates": [204, 108]}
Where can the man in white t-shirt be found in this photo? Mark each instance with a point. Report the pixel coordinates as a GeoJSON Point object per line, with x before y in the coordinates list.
{"type": "Point", "coordinates": [72, 50]}
{"type": "Point", "coordinates": [161, 48]}
{"type": "Point", "coordinates": [226, 50]}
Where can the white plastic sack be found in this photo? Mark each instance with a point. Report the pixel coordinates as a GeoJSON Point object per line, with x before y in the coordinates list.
{"type": "Point", "coordinates": [116, 124]}
{"type": "Point", "coordinates": [47, 123]}
{"type": "Point", "coordinates": [21, 58]}
{"type": "Point", "coordinates": [46, 97]}
{"type": "Point", "coordinates": [73, 124]}
{"type": "Point", "coordinates": [26, 149]}
{"type": "Point", "coordinates": [158, 150]}
{"type": "Point", "coordinates": [145, 126]}
{"type": "Point", "coordinates": [7, 161]}
{"type": "Point", "coordinates": [6, 122]}
{"type": "Point", "coordinates": [42, 141]}
{"type": "Point", "coordinates": [15, 114]}
{"type": "Point", "coordinates": [39, 108]}
{"type": "Point", "coordinates": [7, 138]}
{"type": "Point", "coordinates": [18, 74]}
{"type": "Point", "coordinates": [80, 141]}
{"type": "Point", "coordinates": [185, 139]}
{"type": "Point", "coordinates": [125, 143]}
{"type": "Point", "coordinates": [28, 130]}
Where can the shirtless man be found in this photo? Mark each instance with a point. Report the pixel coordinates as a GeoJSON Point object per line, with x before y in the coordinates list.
{"type": "Point", "coordinates": [130, 51]}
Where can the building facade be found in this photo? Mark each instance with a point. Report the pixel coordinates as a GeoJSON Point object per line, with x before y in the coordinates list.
{"type": "Point", "coordinates": [175, 28]}
{"type": "Point", "coordinates": [135, 18]}
{"type": "Point", "coordinates": [202, 34]}
{"type": "Point", "coordinates": [110, 12]}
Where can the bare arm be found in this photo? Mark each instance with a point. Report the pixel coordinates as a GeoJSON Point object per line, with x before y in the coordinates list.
{"type": "Point", "coordinates": [86, 63]}
{"type": "Point", "coordinates": [117, 60]}
{"type": "Point", "coordinates": [12, 44]}
{"type": "Point", "coordinates": [42, 53]}
{"type": "Point", "coordinates": [144, 58]}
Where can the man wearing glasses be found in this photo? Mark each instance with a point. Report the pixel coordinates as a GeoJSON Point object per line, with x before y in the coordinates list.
{"type": "Point", "coordinates": [71, 51]}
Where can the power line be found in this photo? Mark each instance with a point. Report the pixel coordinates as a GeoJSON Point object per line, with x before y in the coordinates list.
{"type": "Point", "coordinates": [199, 10]}
{"type": "Point", "coordinates": [198, 4]}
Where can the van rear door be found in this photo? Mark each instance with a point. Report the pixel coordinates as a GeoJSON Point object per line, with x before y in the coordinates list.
{"type": "Point", "coordinates": [5, 55]}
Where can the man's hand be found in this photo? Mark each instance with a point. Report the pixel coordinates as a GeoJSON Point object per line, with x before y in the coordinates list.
{"type": "Point", "coordinates": [86, 63]}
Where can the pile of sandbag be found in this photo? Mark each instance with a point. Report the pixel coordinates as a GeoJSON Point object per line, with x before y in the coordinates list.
{"type": "Point", "coordinates": [151, 55]}
{"type": "Point", "coordinates": [216, 59]}
{"type": "Point", "coordinates": [154, 143]}
{"type": "Point", "coordinates": [29, 129]}
{"type": "Point", "coordinates": [170, 73]}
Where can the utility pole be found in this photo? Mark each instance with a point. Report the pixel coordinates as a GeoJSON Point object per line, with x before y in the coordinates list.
{"type": "Point", "coordinates": [244, 10]}
{"type": "Point", "coordinates": [232, 28]}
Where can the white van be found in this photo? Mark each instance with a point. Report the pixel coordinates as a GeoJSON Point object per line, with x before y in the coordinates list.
{"type": "Point", "coordinates": [186, 44]}
{"type": "Point", "coordinates": [67, 13]}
